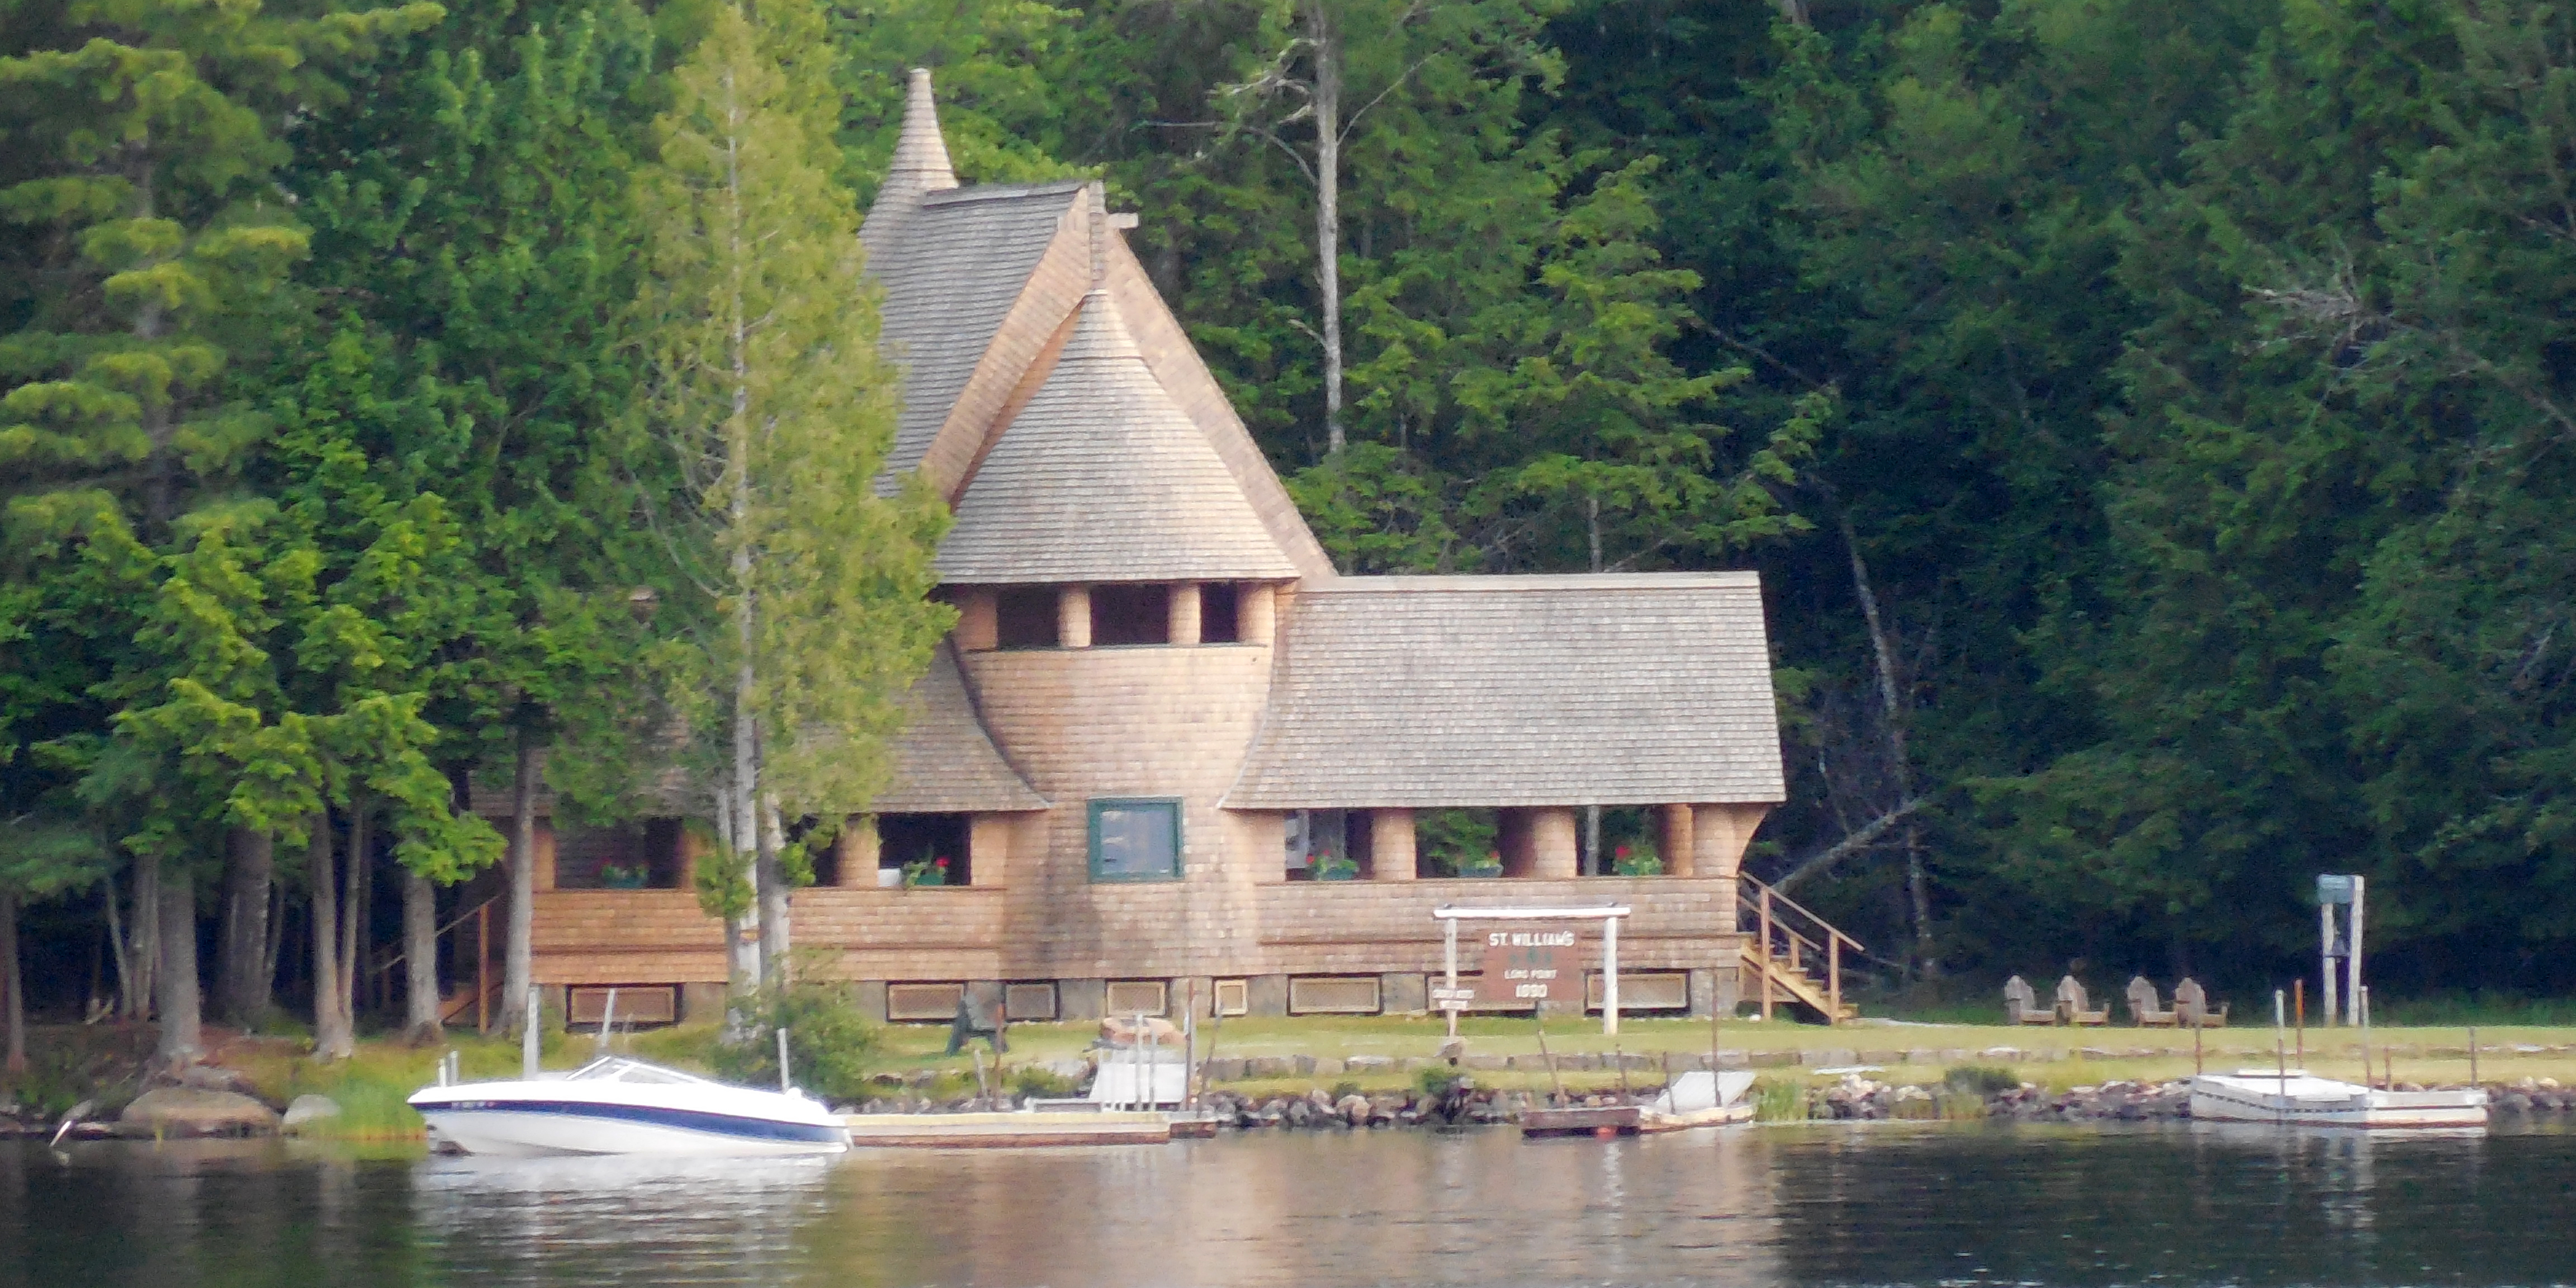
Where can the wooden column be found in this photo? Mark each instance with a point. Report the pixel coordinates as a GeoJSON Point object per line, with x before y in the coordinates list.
{"type": "Point", "coordinates": [1259, 605]}
{"type": "Point", "coordinates": [1073, 617]}
{"type": "Point", "coordinates": [1719, 834]}
{"type": "Point", "coordinates": [1185, 613]}
{"type": "Point", "coordinates": [988, 849]}
{"type": "Point", "coordinates": [543, 855]}
{"type": "Point", "coordinates": [1391, 844]}
{"type": "Point", "coordinates": [979, 620]}
{"type": "Point", "coordinates": [1680, 859]}
{"type": "Point", "coordinates": [857, 848]}
{"type": "Point", "coordinates": [1554, 850]}
{"type": "Point", "coordinates": [689, 851]}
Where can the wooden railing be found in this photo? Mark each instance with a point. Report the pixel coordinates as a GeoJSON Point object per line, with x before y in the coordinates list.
{"type": "Point", "coordinates": [1791, 935]}
{"type": "Point", "coordinates": [485, 985]}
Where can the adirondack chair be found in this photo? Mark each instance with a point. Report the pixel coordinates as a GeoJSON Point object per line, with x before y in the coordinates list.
{"type": "Point", "coordinates": [2021, 1005]}
{"type": "Point", "coordinates": [2143, 1010]}
{"type": "Point", "coordinates": [2191, 1005]}
{"type": "Point", "coordinates": [2073, 1004]}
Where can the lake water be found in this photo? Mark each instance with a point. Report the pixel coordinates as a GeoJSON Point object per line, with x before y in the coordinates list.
{"type": "Point", "coordinates": [1880, 1204]}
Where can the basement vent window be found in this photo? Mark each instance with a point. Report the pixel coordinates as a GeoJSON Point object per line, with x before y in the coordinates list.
{"type": "Point", "coordinates": [923, 1003]}
{"type": "Point", "coordinates": [1136, 997]}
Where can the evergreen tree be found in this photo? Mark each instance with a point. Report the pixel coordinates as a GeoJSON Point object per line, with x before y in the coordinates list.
{"type": "Point", "coordinates": [778, 413]}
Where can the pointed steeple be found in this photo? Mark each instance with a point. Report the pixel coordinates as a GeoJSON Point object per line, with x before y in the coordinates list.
{"type": "Point", "coordinates": [920, 154]}
{"type": "Point", "coordinates": [920, 166]}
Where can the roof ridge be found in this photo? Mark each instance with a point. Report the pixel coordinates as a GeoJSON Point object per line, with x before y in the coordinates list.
{"type": "Point", "coordinates": [974, 192]}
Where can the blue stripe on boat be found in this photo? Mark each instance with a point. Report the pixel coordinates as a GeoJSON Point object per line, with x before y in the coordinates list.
{"type": "Point", "coordinates": [684, 1119]}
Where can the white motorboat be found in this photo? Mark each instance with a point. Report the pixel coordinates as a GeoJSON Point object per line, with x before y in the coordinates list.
{"type": "Point", "coordinates": [614, 1105]}
{"type": "Point", "coordinates": [2295, 1097]}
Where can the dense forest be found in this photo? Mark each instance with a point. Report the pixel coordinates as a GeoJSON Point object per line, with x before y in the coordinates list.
{"type": "Point", "coordinates": [2148, 418]}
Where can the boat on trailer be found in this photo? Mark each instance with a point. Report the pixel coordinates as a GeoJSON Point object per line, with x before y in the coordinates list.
{"type": "Point", "coordinates": [616, 1105]}
{"type": "Point", "coordinates": [2294, 1097]}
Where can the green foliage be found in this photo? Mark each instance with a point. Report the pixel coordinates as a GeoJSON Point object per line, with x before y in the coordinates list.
{"type": "Point", "coordinates": [1035, 1082]}
{"type": "Point", "coordinates": [1980, 1079]}
{"type": "Point", "coordinates": [830, 1045]}
{"type": "Point", "coordinates": [1777, 1100]}
{"type": "Point", "coordinates": [1457, 839]}
{"type": "Point", "coordinates": [1437, 1081]}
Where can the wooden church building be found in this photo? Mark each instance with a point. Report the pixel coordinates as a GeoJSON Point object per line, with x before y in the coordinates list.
{"type": "Point", "coordinates": [1169, 752]}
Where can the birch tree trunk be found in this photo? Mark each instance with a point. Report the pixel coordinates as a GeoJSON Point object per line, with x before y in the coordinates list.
{"type": "Point", "coordinates": [1892, 714]}
{"type": "Point", "coordinates": [1328, 211]}
{"type": "Point", "coordinates": [518, 956]}
{"type": "Point", "coordinates": [420, 959]}
{"type": "Point", "coordinates": [774, 940]}
{"type": "Point", "coordinates": [243, 972]}
{"type": "Point", "coordinates": [182, 1039]}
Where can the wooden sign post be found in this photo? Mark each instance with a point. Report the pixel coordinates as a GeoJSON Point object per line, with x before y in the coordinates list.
{"type": "Point", "coordinates": [1548, 962]}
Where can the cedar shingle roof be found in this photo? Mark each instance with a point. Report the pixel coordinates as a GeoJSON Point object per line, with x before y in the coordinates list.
{"type": "Point", "coordinates": [1421, 692]}
{"type": "Point", "coordinates": [949, 278]}
{"type": "Point", "coordinates": [1103, 478]}
{"type": "Point", "coordinates": [944, 763]}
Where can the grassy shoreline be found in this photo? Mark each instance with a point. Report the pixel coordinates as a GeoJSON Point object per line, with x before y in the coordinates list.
{"type": "Point", "coordinates": [371, 1087]}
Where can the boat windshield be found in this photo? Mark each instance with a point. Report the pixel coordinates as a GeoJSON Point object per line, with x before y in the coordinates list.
{"type": "Point", "coordinates": [619, 1069]}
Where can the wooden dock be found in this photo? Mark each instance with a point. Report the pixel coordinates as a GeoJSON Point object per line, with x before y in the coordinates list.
{"type": "Point", "coordinates": [1005, 1130]}
{"type": "Point", "coordinates": [1605, 1120]}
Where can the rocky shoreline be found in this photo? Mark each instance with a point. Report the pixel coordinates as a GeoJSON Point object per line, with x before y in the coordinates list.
{"type": "Point", "coordinates": [207, 1102]}
{"type": "Point", "coordinates": [1853, 1098]}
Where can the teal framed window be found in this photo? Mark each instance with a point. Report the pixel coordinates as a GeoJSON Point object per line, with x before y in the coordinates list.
{"type": "Point", "coordinates": [1136, 840]}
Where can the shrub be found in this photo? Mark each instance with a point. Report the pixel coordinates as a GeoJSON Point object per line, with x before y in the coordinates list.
{"type": "Point", "coordinates": [1035, 1081]}
{"type": "Point", "coordinates": [1778, 1101]}
{"type": "Point", "coordinates": [829, 1043]}
{"type": "Point", "coordinates": [1436, 1082]}
{"type": "Point", "coordinates": [1980, 1080]}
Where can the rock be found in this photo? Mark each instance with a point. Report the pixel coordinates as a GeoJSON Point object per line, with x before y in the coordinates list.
{"type": "Point", "coordinates": [1452, 1048]}
{"type": "Point", "coordinates": [2000, 1053]}
{"type": "Point", "coordinates": [1353, 1109]}
{"type": "Point", "coordinates": [1268, 1066]}
{"type": "Point", "coordinates": [188, 1111]}
{"type": "Point", "coordinates": [212, 1077]}
{"type": "Point", "coordinates": [1369, 1064]}
{"type": "Point", "coordinates": [1485, 1063]}
{"type": "Point", "coordinates": [1120, 1030]}
{"type": "Point", "coordinates": [304, 1111]}
{"type": "Point", "coordinates": [1074, 1069]}
{"type": "Point", "coordinates": [1733, 1060]}
{"type": "Point", "coordinates": [1327, 1066]}
{"type": "Point", "coordinates": [1225, 1069]}
{"type": "Point", "coordinates": [1770, 1059]}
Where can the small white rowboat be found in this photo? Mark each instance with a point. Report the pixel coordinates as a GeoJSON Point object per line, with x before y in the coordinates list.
{"type": "Point", "coordinates": [2296, 1098]}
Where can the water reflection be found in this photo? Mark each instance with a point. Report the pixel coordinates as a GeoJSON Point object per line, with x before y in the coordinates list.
{"type": "Point", "coordinates": [1897, 1203]}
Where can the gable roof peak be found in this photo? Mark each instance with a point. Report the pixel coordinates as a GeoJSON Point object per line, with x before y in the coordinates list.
{"type": "Point", "coordinates": [920, 153]}
{"type": "Point", "coordinates": [1100, 333]}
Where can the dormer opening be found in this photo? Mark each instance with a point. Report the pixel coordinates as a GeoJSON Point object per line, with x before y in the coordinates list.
{"type": "Point", "coordinates": [1220, 619]}
{"type": "Point", "coordinates": [1131, 615]}
{"type": "Point", "coordinates": [1026, 617]}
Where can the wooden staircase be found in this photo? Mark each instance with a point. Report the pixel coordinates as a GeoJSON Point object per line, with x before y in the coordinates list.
{"type": "Point", "coordinates": [1791, 956]}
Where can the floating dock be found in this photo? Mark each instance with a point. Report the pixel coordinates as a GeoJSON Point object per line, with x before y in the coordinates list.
{"type": "Point", "coordinates": [1006, 1130]}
